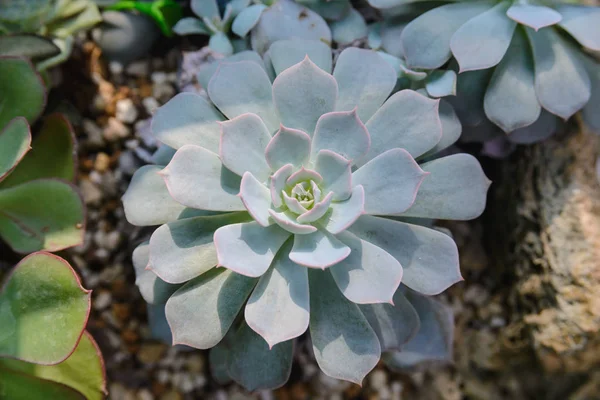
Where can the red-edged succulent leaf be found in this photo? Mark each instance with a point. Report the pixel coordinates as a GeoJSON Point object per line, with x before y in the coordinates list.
{"type": "Point", "coordinates": [43, 310]}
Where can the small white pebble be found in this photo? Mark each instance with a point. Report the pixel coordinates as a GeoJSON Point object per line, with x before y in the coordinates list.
{"type": "Point", "coordinates": [115, 67]}
{"type": "Point", "coordinates": [159, 77]}
{"type": "Point", "coordinates": [150, 104]}
{"type": "Point", "coordinates": [126, 111]}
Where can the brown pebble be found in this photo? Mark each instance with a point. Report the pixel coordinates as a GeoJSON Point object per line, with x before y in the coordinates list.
{"type": "Point", "coordinates": [171, 395]}
{"type": "Point", "coordinates": [130, 336]}
{"type": "Point", "coordinates": [299, 392]}
{"type": "Point", "coordinates": [151, 352]}
{"type": "Point", "coordinates": [121, 311]}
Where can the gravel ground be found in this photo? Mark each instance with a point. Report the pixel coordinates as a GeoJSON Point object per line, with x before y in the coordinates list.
{"type": "Point", "coordinates": [114, 104]}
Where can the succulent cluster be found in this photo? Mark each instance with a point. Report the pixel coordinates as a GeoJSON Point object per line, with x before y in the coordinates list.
{"type": "Point", "coordinates": [523, 66]}
{"type": "Point", "coordinates": [44, 294]}
{"type": "Point", "coordinates": [43, 30]}
{"type": "Point", "coordinates": [27, 174]}
{"type": "Point", "coordinates": [294, 198]}
{"type": "Point", "coordinates": [266, 21]}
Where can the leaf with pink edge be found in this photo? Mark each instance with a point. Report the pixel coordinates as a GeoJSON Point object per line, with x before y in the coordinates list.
{"type": "Point", "coordinates": [28, 224]}
{"type": "Point", "coordinates": [302, 93]}
{"type": "Point", "coordinates": [278, 308]}
{"type": "Point", "coordinates": [288, 146]}
{"type": "Point", "coordinates": [182, 250]}
{"type": "Point", "coordinates": [341, 132]}
{"type": "Point", "coordinates": [43, 310]}
{"type": "Point", "coordinates": [201, 312]}
{"type": "Point", "coordinates": [153, 289]}
{"type": "Point", "coordinates": [344, 343]}
{"type": "Point", "coordinates": [15, 142]}
{"type": "Point", "coordinates": [82, 371]}
{"type": "Point", "coordinates": [243, 143]}
{"type": "Point", "coordinates": [391, 181]}
{"type": "Point", "coordinates": [243, 87]}
{"type": "Point", "coordinates": [318, 250]}
{"type": "Point", "coordinates": [344, 213]}
{"type": "Point", "coordinates": [429, 258]}
{"type": "Point", "coordinates": [369, 274]}
{"type": "Point", "coordinates": [256, 198]}
{"type": "Point", "coordinates": [248, 248]}
{"type": "Point", "coordinates": [196, 178]}
{"type": "Point", "coordinates": [534, 16]}
{"type": "Point", "coordinates": [336, 172]}
{"type": "Point", "coordinates": [286, 53]}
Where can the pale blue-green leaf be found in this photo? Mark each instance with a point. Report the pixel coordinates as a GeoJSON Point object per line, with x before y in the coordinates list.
{"type": "Point", "coordinates": [441, 83]}
{"type": "Point", "coordinates": [407, 120]}
{"type": "Point", "coordinates": [294, 205]}
{"type": "Point", "coordinates": [288, 146]}
{"type": "Point", "coordinates": [207, 70]}
{"type": "Point", "coordinates": [341, 132]}
{"type": "Point", "coordinates": [583, 23]}
{"type": "Point", "coordinates": [369, 274]}
{"type": "Point", "coordinates": [15, 142]}
{"type": "Point", "coordinates": [147, 201]}
{"type": "Point", "coordinates": [188, 119]}
{"type": "Point", "coordinates": [247, 19]}
{"type": "Point", "coordinates": [429, 258]}
{"type": "Point", "coordinates": [318, 210]}
{"type": "Point", "coordinates": [249, 248]}
{"type": "Point", "coordinates": [153, 289]}
{"type": "Point", "coordinates": [278, 183]}
{"type": "Point", "coordinates": [201, 312]}
{"type": "Point", "coordinates": [233, 8]}
{"type": "Point", "coordinates": [344, 343]}
{"type": "Point", "coordinates": [391, 29]}
{"type": "Point", "coordinates": [205, 8]}
{"type": "Point", "coordinates": [343, 214]}
{"type": "Point", "coordinates": [470, 92]}
{"type": "Point", "coordinates": [365, 80]}
{"type": "Point", "coordinates": [285, 53]}
{"type": "Point", "coordinates": [286, 20]}
{"type": "Point", "coordinates": [591, 111]}
{"type": "Point", "coordinates": [426, 40]}
{"type": "Point", "coordinates": [510, 100]}
{"type": "Point", "coordinates": [254, 365]}
{"type": "Point", "coordinates": [220, 43]}
{"type": "Point", "coordinates": [433, 341]}
{"type": "Point", "coordinates": [163, 155]}
{"type": "Point", "coordinates": [451, 127]}
{"type": "Point", "coordinates": [256, 198]}
{"type": "Point", "coordinates": [482, 41]}
{"type": "Point", "coordinates": [243, 87]}
{"type": "Point", "coordinates": [374, 36]}
{"type": "Point", "coordinates": [394, 324]}
{"type": "Point", "coordinates": [318, 250]}
{"type": "Point", "coordinates": [533, 16]}
{"type": "Point", "coordinates": [349, 28]}
{"type": "Point", "coordinates": [337, 174]}
{"type": "Point", "coordinates": [243, 143]}
{"type": "Point", "coordinates": [287, 220]}
{"type": "Point", "coordinates": [278, 309]}
{"type": "Point", "coordinates": [331, 10]}
{"type": "Point", "coordinates": [218, 359]}
{"type": "Point", "coordinates": [455, 188]}
{"type": "Point", "coordinates": [158, 324]}
{"type": "Point", "coordinates": [545, 126]}
{"type": "Point", "coordinates": [196, 178]}
{"type": "Point", "coordinates": [391, 181]}
{"type": "Point", "coordinates": [190, 26]}
{"type": "Point", "coordinates": [182, 250]}
{"type": "Point", "coordinates": [302, 93]}
{"type": "Point", "coordinates": [561, 82]}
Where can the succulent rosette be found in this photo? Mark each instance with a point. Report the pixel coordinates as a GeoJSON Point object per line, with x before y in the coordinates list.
{"type": "Point", "coordinates": [301, 189]}
{"type": "Point", "coordinates": [524, 66]}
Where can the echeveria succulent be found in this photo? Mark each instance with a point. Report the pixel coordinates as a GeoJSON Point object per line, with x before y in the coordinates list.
{"type": "Point", "coordinates": [56, 20]}
{"type": "Point", "coordinates": [45, 351]}
{"type": "Point", "coordinates": [266, 21]}
{"type": "Point", "coordinates": [301, 189]}
{"type": "Point", "coordinates": [26, 223]}
{"type": "Point", "coordinates": [522, 65]}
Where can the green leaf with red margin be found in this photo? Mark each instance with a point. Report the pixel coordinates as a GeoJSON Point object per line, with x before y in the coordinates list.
{"type": "Point", "coordinates": [16, 385]}
{"type": "Point", "coordinates": [82, 371]}
{"type": "Point", "coordinates": [22, 91]}
{"type": "Point", "coordinates": [43, 310]}
{"type": "Point", "coordinates": [15, 142]}
{"type": "Point", "coordinates": [53, 154]}
{"type": "Point", "coordinates": [45, 214]}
